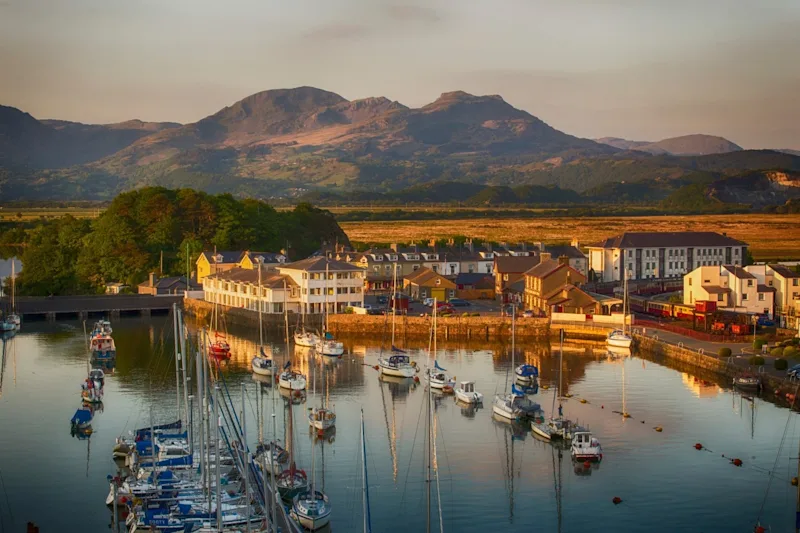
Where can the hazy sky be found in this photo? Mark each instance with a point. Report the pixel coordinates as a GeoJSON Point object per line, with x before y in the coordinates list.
{"type": "Point", "coordinates": [639, 69]}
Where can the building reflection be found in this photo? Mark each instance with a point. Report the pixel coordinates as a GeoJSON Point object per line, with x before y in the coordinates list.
{"type": "Point", "coordinates": [700, 387]}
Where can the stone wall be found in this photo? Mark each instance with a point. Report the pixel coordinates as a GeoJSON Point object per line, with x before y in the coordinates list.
{"type": "Point", "coordinates": [202, 311]}
{"type": "Point", "coordinates": [483, 328]}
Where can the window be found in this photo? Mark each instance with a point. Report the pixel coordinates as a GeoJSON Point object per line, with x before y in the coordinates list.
{"type": "Point", "coordinates": [760, 296]}
{"type": "Point", "coordinates": [719, 297]}
{"type": "Point", "coordinates": [415, 268]}
{"type": "Point", "coordinates": [735, 251]}
{"type": "Point", "coordinates": [435, 268]}
{"type": "Point", "coordinates": [749, 282]}
{"type": "Point", "coordinates": [690, 282]}
{"type": "Point", "coordinates": [670, 264]}
{"type": "Point", "coordinates": [794, 282]}
{"type": "Point", "coordinates": [305, 275]}
{"type": "Point", "coordinates": [744, 296]}
{"type": "Point", "coordinates": [277, 308]}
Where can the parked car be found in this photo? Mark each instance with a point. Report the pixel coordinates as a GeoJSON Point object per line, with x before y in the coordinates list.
{"type": "Point", "coordinates": [383, 300]}
{"type": "Point", "coordinates": [376, 311]}
{"type": "Point", "coordinates": [528, 314]}
{"type": "Point", "coordinates": [794, 372]}
{"type": "Point", "coordinates": [427, 302]}
{"type": "Point", "coordinates": [445, 308]}
{"type": "Point", "coordinates": [458, 302]}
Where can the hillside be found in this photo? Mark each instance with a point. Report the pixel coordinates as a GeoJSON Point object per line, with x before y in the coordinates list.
{"type": "Point", "coordinates": [684, 145]}
{"type": "Point", "coordinates": [283, 143]}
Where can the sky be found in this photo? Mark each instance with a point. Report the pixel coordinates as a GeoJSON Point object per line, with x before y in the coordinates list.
{"type": "Point", "coordinates": [637, 69]}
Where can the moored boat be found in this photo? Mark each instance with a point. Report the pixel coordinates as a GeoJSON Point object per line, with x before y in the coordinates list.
{"type": "Point", "coordinates": [465, 392]}
{"type": "Point", "coordinates": [102, 347]}
{"type": "Point", "coordinates": [292, 380]}
{"type": "Point", "coordinates": [526, 373]}
{"type": "Point", "coordinates": [585, 447]}
{"type": "Point", "coordinates": [398, 365]}
{"type": "Point", "coordinates": [321, 418]}
{"type": "Point", "coordinates": [219, 349]}
{"type": "Point", "coordinates": [747, 382]}
{"type": "Point", "coordinates": [437, 378]}
{"type": "Point", "coordinates": [311, 509]}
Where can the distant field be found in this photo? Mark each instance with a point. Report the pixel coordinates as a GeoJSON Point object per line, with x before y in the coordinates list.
{"type": "Point", "coordinates": [769, 236]}
{"type": "Point", "coordinates": [33, 213]}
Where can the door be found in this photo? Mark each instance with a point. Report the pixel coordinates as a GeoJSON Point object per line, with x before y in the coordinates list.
{"type": "Point", "coordinates": [439, 294]}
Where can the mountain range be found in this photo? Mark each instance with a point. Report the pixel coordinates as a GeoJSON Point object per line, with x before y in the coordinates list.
{"type": "Point", "coordinates": [288, 142]}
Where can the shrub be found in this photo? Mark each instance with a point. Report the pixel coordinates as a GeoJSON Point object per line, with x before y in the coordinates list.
{"type": "Point", "coordinates": [791, 351]}
{"type": "Point", "coordinates": [465, 314]}
{"type": "Point", "coordinates": [475, 314]}
{"type": "Point", "coordinates": [756, 360]}
{"type": "Point", "coordinates": [781, 364]}
{"type": "Point", "coordinates": [348, 310]}
{"type": "Point", "coordinates": [758, 343]}
{"type": "Point", "coordinates": [776, 352]}
{"type": "Point", "coordinates": [724, 352]}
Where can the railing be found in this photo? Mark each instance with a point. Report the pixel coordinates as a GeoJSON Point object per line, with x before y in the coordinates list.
{"type": "Point", "coordinates": [699, 335]}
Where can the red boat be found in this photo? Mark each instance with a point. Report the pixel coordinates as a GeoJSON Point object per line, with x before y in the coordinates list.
{"type": "Point", "coordinates": [219, 348]}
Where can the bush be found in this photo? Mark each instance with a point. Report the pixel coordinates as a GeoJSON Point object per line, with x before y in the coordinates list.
{"type": "Point", "coordinates": [348, 311]}
{"type": "Point", "coordinates": [781, 364]}
{"type": "Point", "coordinates": [756, 360]}
{"type": "Point", "coordinates": [776, 352]}
{"type": "Point", "coordinates": [791, 351]}
{"type": "Point", "coordinates": [724, 352]}
{"type": "Point", "coordinates": [758, 343]}
{"type": "Point", "coordinates": [465, 314]}
{"type": "Point", "coordinates": [475, 314]}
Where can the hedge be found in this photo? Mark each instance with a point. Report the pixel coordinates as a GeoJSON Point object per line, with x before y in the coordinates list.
{"type": "Point", "coordinates": [756, 360]}
{"type": "Point", "coordinates": [758, 343]}
{"type": "Point", "coordinates": [776, 352]}
{"type": "Point", "coordinates": [791, 351]}
{"type": "Point", "coordinates": [781, 364]}
{"type": "Point", "coordinates": [725, 352]}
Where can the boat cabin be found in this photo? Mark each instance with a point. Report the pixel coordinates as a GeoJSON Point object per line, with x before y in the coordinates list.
{"type": "Point", "coordinates": [399, 360]}
{"type": "Point", "coordinates": [468, 386]}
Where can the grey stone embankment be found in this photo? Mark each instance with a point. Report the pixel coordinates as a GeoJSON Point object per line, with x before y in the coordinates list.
{"type": "Point", "coordinates": [234, 316]}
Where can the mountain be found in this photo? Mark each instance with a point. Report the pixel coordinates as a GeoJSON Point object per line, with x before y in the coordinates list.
{"type": "Point", "coordinates": [685, 145]}
{"type": "Point", "coordinates": [789, 151]}
{"type": "Point", "coordinates": [282, 143]}
{"type": "Point", "coordinates": [27, 141]}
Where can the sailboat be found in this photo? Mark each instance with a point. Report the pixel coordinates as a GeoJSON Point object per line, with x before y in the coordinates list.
{"type": "Point", "coordinates": [556, 427]}
{"type": "Point", "coordinates": [291, 379]}
{"type": "Point", "coordinates": [622, 338]}
{"type": "Point", "coordinates": [432, 468]}
{"type": "Point", "coordinates": [364, 480]}
{"type": "Point", "coordinates": [303, 337]}
{"type": "Point", "coordinates": [398, 363]}
{"type": "Point", "coordinates": [322, 418]}
{"type": "Point", "coordinates": [12, 321]}
{"type": "Point", "coordinates": [291, 481]}
{"type": "Point", "coordinates": [515, 404]}
{"type": "Point", "coordinates": [327, 345]}
{"type": "Point", "coordinates": [311, 507]}
{"type": "Point", "coordinates": [261, 364]}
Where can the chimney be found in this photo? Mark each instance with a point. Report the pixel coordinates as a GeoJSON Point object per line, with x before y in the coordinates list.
{"type": "Point", "coordinates": [544, 256]}
{"type": "Point", "coordinates": [152, 279]}
{"type": "Point", "coordinates": [394, 247]}
{"type": "Point", "coordinates": [451, 242]}
{"type": "Point", "coordinates": [469, 246]}
{"type": "Point", "coordinates": [488, 246]}
{"type": "Point", "coordinates": [563, 260]}
{"type": "Point", "coordinates": [539, 246]}
{"type": "Point", "coordinates": [432, 244]}
{"type": "Point", "coordinates": [574, 243]}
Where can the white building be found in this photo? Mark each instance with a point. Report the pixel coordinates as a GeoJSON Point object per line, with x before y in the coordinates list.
{"type": "Point", "coordinates": [322, 280]}
{"type": "Point", "coordinates": [240, 287]}
{"type": "Point", "coordinates": [733, 289]}
{"type": "Point", "coordinates": [662, 254]}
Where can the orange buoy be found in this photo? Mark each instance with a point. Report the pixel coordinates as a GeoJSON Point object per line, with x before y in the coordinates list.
{"type": "Point", "coordinates": [698, 446]}
{"type": "Point", "coordinates": [736, 462]}
{"type": "Point", "coordinates": [376, 367]}
{"type": "Point", "coordinates": [583, 400]}
{"type": "Point", "coordinates": [794, 482]}
{"type": "Point", "coordinates": [587, 464]}
{"type": "Point", "coordinates": [760, 529]}
{"type": "Point", "coordinates": [617, 500]}
{"type": "Point", "coordinates": [416, 379]}
{"type": "Point", "coordinates": [659, 429]}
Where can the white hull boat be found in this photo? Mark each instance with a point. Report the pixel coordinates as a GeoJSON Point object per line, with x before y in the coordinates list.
{"type": "Point", "coordinates": [305, 339]}
{"type": "Point", "coordinates": [465, 392]}
{"type": "Point", "coordinates": [329, 347]}
{"type": "Point", "coordinates": [312, 511]}
{"type": "Point", "coordinates": [261, 365]}
{"type": "Point", "coordinates": [277, 459]}
{"type": "Point", "coordinates": [397, 365]}
{"type": "Point", "coordinates": [585, 447]}
{"type": "Point", "coordinates": [321, 419]}
{"type": "Point", "coordinates": [513, 406]}
{"type": "Point", "coordinates": [292, 380]}
{"type": "Point", "coordinates": [619, 339]}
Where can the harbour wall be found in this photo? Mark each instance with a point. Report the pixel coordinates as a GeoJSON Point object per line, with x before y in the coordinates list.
{"type": "Point", "coordinates": [203, 311]}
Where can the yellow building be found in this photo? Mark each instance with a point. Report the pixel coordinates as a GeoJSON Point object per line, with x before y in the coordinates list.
{"type": "Point", "coordinates": [215, 262]}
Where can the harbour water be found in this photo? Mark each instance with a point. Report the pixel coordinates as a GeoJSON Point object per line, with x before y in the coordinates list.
{"type": "Point", "coordinates": [493, 475]}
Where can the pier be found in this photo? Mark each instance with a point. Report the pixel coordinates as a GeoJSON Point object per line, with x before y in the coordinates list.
{"type": "Point", "coordinates": [81, 307]}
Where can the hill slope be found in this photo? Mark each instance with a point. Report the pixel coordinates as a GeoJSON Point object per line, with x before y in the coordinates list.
{"type": "Point", "coordinates": [696, 144]}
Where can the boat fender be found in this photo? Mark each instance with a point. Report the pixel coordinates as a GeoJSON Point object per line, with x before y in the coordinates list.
{"type": "Point", "coordinates": [376, 367]}
{"type": "Point", "coordinates": [736, 462]}
{"type": "Point", "coordinates": [583, 400]}
{"type": "Point", "coordinates": [659, 429]}
{"type": "Point", "coordinates": [545, 387]}
{"type": "Point", "coordinates": [617, 500]}
{"type": "Point", "coordinates": [587, 464]}
{"type": "Point", "coordinates": [794, 482]}
{"type": "Point", "coordinates": [760, 529]}
{"type": "Point", "coordinates": [416, 379]}
{"type": "Point", "coordinates": [698, 446]}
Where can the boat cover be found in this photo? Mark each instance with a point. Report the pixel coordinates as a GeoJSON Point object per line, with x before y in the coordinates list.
{"type": "Point", "coordinates": [397, 359]}
{"type": "Point", "coordinates": [397, 350]}
{"type": "Point", "coordinates": [436, 364]}
{"type": "Point", "coordinates": [516, 391]}
{"type": "Point", "coordinates": [81, 416]}
{"type": "Point", "coordinates": [528, 371]}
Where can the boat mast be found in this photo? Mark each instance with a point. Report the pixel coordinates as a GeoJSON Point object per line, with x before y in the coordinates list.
{"type": "Point", "coordinates": [245, 464]}
{"type": "Point", "coordinates": [394, 300]}
{"type": "Point", "coordinates": [428, 436]}
{"type": "Point", "coordinates": [13, 287]}
{"type": "Point", "coordinates": [274, 476]}
{"type": "Point", "coordinates": [364, 481]}
{"type": "Point", "coordinates": [198, 364]}
{"type": "Point", "coordinates": [260, 305]}
{"type": "Point", "coordinates": [216, 458]}
{"type": "Point", "coordinates": [177, 359]}
{"type": "Point", "coordinates": [285, 318]}
{"type": "Point", "coordinates": [185, 379]}
{"type": "Point", "coordinates": [325, 316]}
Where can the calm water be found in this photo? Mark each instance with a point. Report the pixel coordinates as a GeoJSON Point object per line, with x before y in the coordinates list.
{"type": "Point", "coordinates": [493, 475]}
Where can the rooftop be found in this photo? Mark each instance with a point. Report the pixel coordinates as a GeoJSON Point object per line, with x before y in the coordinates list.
{"type": "Point", "coordinates": [785, 271]}
{"type": "Point", "coordinates": [668, 239]}
{"type": "Point", "coordinates": [515, 264]}
{"type": "Point", "coordinates": [321, 264]}
{"type": "Point", "coordinates": [269, 278]}
{"type": "Point", "coordinates": [557, 251]}
{"type": "Point", "coordinates": [739, 272]}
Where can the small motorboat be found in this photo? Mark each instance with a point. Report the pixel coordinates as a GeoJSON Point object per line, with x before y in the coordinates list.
{"type": "Point", "coordinates": [514, 405]}
{"type": "Point", "coordinates": [98, 377]}
{"type": "Point", "coordinates": [397, 365]}
{"type": "Point", "coordinates": [102, 348]}
{"type": "Point", "coordinates": [328, 346]}
{"type": "Point", "coordinates": [292, 380]}
{"type": "Point", "coordinates": [321, 419]}
{"type": "Point", "coordinates": [747, 382]}
{"type": "Point", "coordinates": [437, 378]}
{"type": "Point", "coordinates": [305, 339]}
{"type": "Point", "coordinates": [311, 509]}
{"type": "Point", "coordinates": [526, 373]}
{"type": "Point", "coordinates": [90, 393]}
{"type": "Point", "coordinates": [82, 419]}
{"type": "Point", "coordinates": [585, 447]}
{"type": "Point", "coordinates": [465, 392]}
{"type": "Point", "coordinates": [121, 449]}
{"type": "Point", "coordinates": [261, 364]}
{"type": "Point", "coordinates": [12, 323]}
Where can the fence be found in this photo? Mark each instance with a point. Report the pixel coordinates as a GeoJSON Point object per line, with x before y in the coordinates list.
{"type": "Point", "coordinates": [699, 335]}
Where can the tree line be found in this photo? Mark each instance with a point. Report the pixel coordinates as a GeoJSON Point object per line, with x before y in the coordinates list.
{"type": "Point", "coordinates": [129, 239]}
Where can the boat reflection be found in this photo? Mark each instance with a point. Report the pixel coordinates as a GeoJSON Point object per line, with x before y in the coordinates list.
{"type": "Point", "coordinates": [265, 381]}
{"type": "Point", "coordinates": [468, 410]}
{"type": "Point", "coordinates": [296, 397]}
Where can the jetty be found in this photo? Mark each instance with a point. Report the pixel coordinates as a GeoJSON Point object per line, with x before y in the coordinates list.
{"type": "Point", "coordinates": [83, 307]}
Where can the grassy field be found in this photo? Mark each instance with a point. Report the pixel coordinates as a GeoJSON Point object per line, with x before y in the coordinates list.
{"type": "Point", "coordinates": [769, 236]}
{"type": "Point", "coordinates": [25, 214]}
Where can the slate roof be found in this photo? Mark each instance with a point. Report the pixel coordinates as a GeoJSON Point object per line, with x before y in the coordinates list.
{"type": "Point", "coordinates": [785, 271]}
{"type": "Point", "coordinates": [766, 288]}
{"type": "Point", "coordinates": [716, 289]}
{"type": "Point", "coordinates": [168, 282]}
{"type": "Point", "coordinates": [228, 256]}
{"type": "Point", "coordinates": [667, 239]}
{"type": "Point", "coordinates": [739, 272]}
{"type": "Point", "coordinates": [269, 279]}
{"type": "Point", "coordinates": [424, 276]}
{"type": "Point", "coordinates": [319, 264]}
{"type": "Point", "coordinates": [510, 264]}
{"type": "Point", "coordinates": [567, 250]}
{"type": "Point", "coordinates": [473, 278]}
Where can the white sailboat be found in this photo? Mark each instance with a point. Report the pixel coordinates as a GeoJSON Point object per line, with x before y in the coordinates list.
{"type": "Point", "coordinates": [621, 338]}
{"type": "Point", "coordinates": [397, 363]}
{"type": "Point", "coordinates": [326, 344]}
{"type": "Point", "coordinates": [322, 418]}
{"type": "Point", "coordinates": [515, 404]}
{"type": "Point", "coordinates": [261, 364]}
{"type": "Point", "coordinates": [555, 427]}
{"type": "Point", "coordinates": [12, 321]}
{"type": "Point", "coordinates": [311, 507]}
